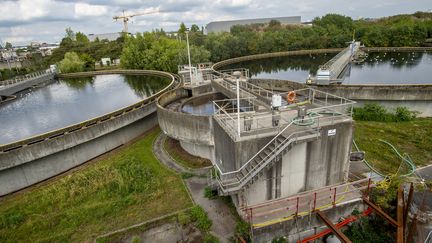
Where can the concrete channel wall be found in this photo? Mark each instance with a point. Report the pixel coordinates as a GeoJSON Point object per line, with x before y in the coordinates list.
{"type": "Point", "coordinates": [195, 132]}
{"type": "Point", "coordinates": [38, 158]}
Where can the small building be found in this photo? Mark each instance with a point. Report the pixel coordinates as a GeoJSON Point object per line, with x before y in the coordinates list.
{"type": "Point", "coordinates": [105, 61]}
{"type": "Point", "coordinates": [225, 26]}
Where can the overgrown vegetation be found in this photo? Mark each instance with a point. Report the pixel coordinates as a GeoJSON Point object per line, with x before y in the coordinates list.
{"type": "Point", "coordinates": [182, 157]}
{"type": "Point", "coordinates": [123, 189]}
{"type": "Point", "coordinates": [411, 137]}
{"type": "Point", "coordinates": [365, 229]}
{"type": "Point", "coordinates": [377, 112]}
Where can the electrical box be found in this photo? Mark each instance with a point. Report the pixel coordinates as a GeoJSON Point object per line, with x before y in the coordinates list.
{"type": "Point", "coordinates": [276, 101]}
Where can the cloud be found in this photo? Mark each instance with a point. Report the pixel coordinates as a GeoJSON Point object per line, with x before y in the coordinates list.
{"type": "Point", "coordinates": [84, 10]}
{"type": "Point", "coordinates": [22, 21]}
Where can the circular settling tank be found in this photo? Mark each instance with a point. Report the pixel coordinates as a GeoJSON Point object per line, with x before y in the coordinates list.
{"type": "Point", "coordinates": [202, 105]}
{"type": "Point", "coordinates": [70, 101]}
{"type": "Point", "coordinates": [376, 68]}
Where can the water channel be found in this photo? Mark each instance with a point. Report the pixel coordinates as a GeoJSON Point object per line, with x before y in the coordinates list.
{"type": "Point", "coordinates": [70, 101]}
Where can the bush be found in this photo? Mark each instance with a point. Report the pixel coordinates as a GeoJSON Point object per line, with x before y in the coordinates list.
{"type": "Point", "coordinates": [376, 112]}
{"type": "Point", "coordinates": [184, 219]}
{"type": "Point", "coordinates": [209, 238]}
{"type": "Point", "coordinates": [187, 175]}
{"type": "Point", "coordinates": [71, 63]}
{"type": "Point", "coordinates": [403, 114]}
{"type": "Point", "coordinates": [210, 193]}
{"type": "Point", "coordinates": [199, 216]}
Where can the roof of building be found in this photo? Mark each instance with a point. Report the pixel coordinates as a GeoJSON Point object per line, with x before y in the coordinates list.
{"type": "Point", "coordinates": [218, 26]}
{"type": "Point", "coordinates": [104, 36]}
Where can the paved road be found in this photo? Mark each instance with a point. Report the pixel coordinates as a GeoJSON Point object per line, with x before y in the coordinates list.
{"type": "Point", "coordinates": [223, 221]}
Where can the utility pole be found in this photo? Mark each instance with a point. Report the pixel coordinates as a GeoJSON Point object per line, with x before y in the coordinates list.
{"type": "Point", "coordinates": [190, 66]}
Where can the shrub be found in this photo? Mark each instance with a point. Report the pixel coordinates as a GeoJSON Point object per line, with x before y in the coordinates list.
{"type": "Point", "coordinates": [376, 112]}
{"type": "Point", "coordinates": [403, 114]}
{"type": "Point", "coordinates": [184, 219]}
{"type": "Point", "coordinates": [71, 63]}
{"type": "Point", "coordinates": [210, 193]}
{"type": "Point", "coordinates": [135, 239]}
{"type": "Point", "coordinates": [187, 175]}
{"type": "Point", "coordinates": [209, 238]}
{"type": "Point", "coordinates": [199, 216]}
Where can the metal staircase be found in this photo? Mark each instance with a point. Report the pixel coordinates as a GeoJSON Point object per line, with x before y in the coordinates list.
{"type": "Point", "coordinates": [233, 181]}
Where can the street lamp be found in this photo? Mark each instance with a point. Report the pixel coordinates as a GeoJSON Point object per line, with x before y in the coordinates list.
{"type": "Point", "coordinates": [190, 66]}
{"type": "Point", "coordinates": [237, 75]}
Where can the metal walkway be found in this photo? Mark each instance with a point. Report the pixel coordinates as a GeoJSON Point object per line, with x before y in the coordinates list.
{"type": "Point", "coordinates": [331, 70]}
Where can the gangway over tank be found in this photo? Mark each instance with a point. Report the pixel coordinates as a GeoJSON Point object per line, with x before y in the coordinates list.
{"type": "Point", "coordinates": [331, 71]}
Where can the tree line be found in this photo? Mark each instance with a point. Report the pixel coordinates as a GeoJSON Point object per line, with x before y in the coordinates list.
{"type": "Point", "coordinates": [165, 51]}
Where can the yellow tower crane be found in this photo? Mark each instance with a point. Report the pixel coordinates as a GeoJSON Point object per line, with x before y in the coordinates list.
{"type": "Point", "coordinates": [127, 17]}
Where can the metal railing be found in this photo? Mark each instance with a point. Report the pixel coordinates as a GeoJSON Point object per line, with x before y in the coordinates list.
{"type": "Point", "coordinates": [230, 181]}
{"type": "Point", "coordinates": [301, 204]}
{"type": "Point", "coordinates": [320, 104]}
{"type": "Point", "coordinates": [26, 77]}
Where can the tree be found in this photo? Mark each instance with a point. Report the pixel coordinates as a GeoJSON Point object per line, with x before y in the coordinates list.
{"type": "Point", "coordinates": [195, 28]}
{"type": "Point", "coordinates": [81, 37]}
{"type": "Point", "coordinates": [8, 46]}
{"type": "Point", "coordinates": [71, 63]}
{"type": "Point", "coordinates": [182, 29]}
{"type": "Point", "coordinates": [154, 51]}
{"type": "Point", "coordinates": [70, 33]}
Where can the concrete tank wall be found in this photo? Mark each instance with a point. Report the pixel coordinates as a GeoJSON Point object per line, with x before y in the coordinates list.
{"type": "Point", "coordinates": [37, 170]}
{"type": "Point", "coordinates": [414, 97]}
{"type": "Point", "coordinates": [194, 131]}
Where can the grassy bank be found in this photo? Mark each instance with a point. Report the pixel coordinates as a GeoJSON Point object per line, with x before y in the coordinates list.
{"type": "Point", "coordinates": [128, 187]}
{"type": "Point", "coordinates": [412, 137]}
{"type": "Point", "coordinates": [182, 157]}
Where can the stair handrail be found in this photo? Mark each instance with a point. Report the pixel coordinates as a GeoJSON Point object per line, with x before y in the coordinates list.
{"type": "Point", "coordinates": [265, 146]}
{"type": "Point", "coordinates": [265, 159]}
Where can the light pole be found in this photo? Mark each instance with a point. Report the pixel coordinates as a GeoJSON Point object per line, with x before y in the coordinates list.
{"type": "Point", "coordinates": [237, 75]}
{"type": "Point", "coordinates": [190, 66]}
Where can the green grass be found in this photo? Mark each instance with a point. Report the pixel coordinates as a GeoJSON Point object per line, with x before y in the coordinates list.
{"type": "Point", "coordinates": [182, 157]}
{"type": "Point", "coordinates": [411, 137]}
{"type": "Point", "coordinates": [126, 188]}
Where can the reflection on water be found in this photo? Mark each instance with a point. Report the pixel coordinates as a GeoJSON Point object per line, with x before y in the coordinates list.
{"type": "Point", "coordinates": [199, 108]}
{"type": "Point", "coordinates": [378, 68]}
{"type": "Point", "coordinates": [71, 101]}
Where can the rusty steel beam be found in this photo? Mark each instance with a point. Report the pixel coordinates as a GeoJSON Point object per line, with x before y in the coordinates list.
{"type": "Point", "coordinates": [341, 236]}
{"type": "Point", "coordinates": [400, 215]}
{"type": "Point", "coordinates": [408, 203]}
{"type": "Point", "coordinates": [381, 212]}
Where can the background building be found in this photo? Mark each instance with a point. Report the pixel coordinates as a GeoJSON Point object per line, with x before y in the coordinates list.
{"type": "Point", "coordinates": [225, 26]}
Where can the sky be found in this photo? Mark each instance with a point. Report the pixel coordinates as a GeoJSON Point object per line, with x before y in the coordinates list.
{"type": "Point", "coordinates": [23, 21]}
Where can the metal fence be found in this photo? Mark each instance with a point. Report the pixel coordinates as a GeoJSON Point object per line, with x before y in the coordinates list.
{"type": "Point", "coordinates": [26, 77]}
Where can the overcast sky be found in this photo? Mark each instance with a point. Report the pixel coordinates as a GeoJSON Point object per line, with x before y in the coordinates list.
{"type": "Point", "coordinates": [23, 21]}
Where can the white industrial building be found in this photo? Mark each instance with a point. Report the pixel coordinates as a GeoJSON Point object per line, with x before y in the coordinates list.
{"type": "Point", "coordinates": [225, 26]}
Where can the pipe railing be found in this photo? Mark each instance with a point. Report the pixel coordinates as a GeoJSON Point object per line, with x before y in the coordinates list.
{"type": "Point", "coordinates": [26, 77]}
{"type": "Point", "coordinates": [282, 209]}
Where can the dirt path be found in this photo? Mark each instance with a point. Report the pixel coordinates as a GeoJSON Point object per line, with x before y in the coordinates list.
{"type": "Point", "coordinates": [223, 221]}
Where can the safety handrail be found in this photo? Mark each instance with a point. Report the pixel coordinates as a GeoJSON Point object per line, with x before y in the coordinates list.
{"type": "Point", "coordinates": [261, 164]}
